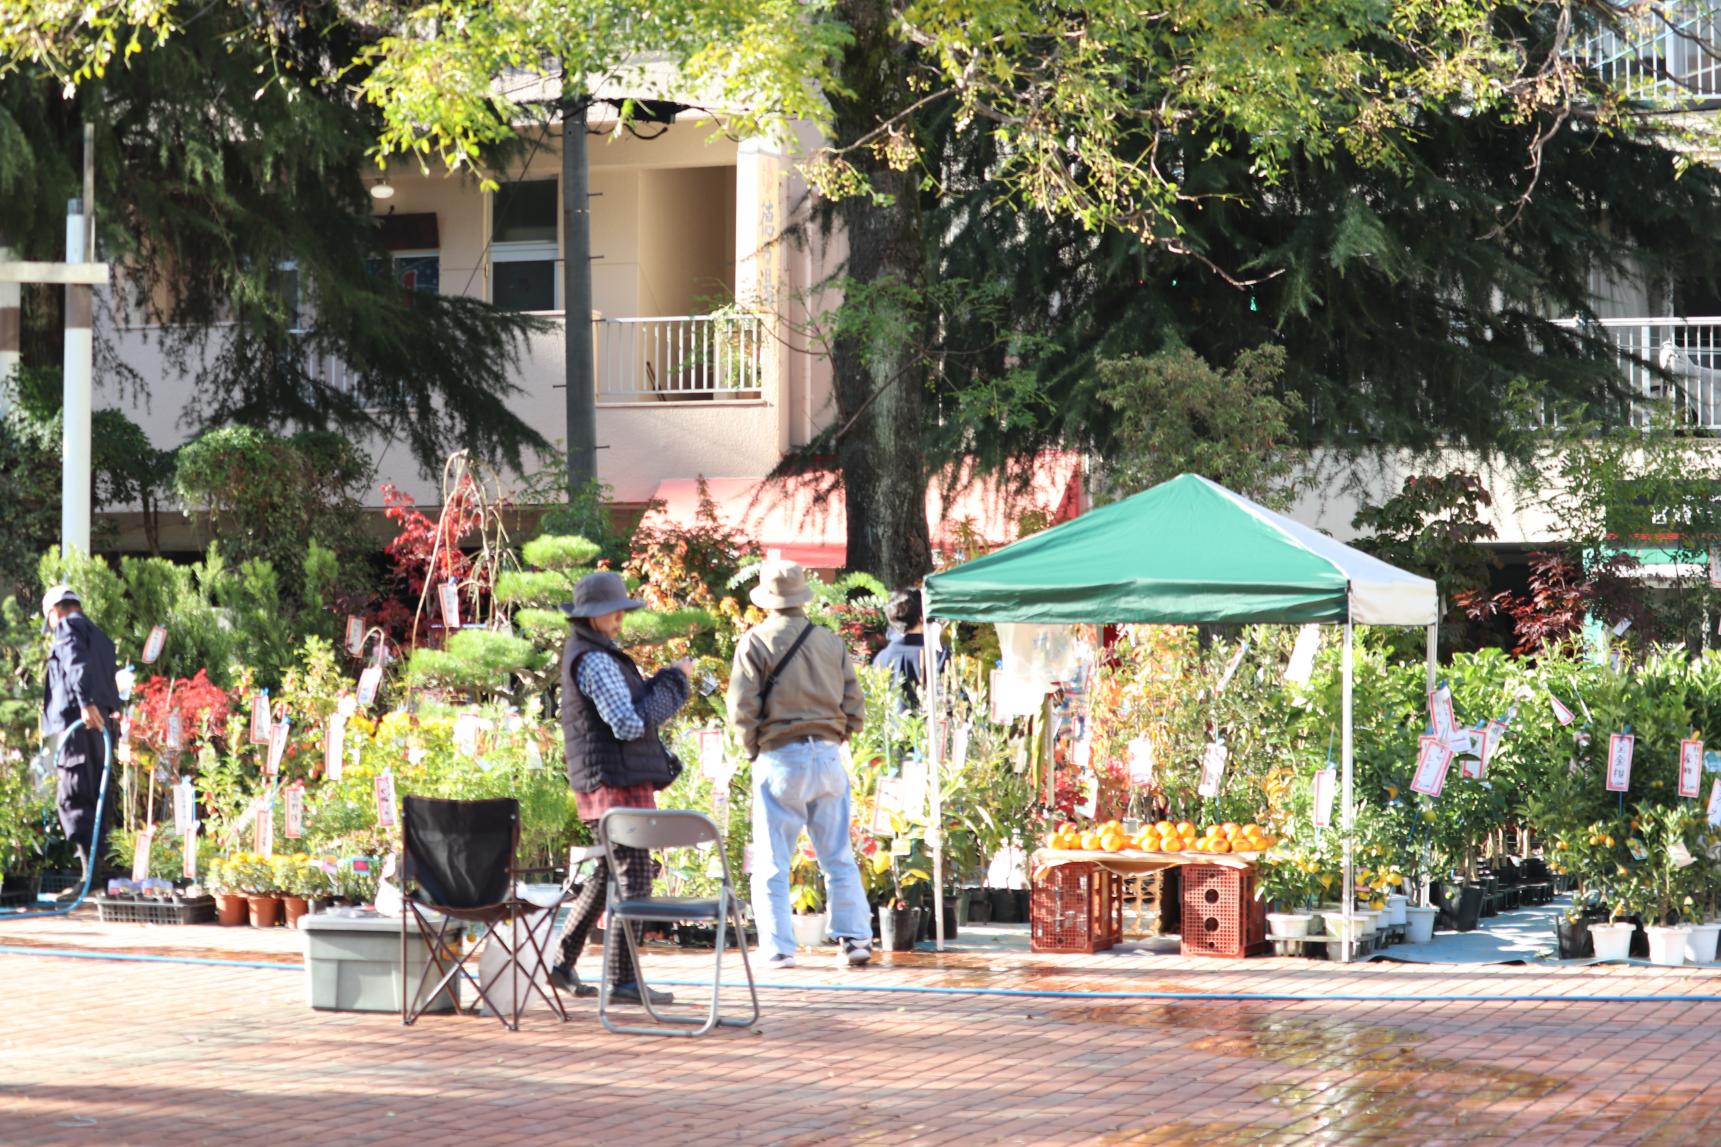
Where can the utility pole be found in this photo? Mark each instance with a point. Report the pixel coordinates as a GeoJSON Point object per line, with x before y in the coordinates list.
{"type": "Point", "coordinates": [11, 334]}
{"type": "Point", "coordinates": [580, 394]}
{"type": "Point", "coordinates": [79, 364]}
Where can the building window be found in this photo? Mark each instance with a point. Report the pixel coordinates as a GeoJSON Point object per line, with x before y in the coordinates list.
{"type": "Point", "coordinates": [523, 250]}
{"type": "Point", "coordinates": [415, 272]}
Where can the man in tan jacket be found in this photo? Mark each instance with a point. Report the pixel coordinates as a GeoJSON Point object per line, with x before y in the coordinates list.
{"type": "Point", "coordinates": [794, 700]}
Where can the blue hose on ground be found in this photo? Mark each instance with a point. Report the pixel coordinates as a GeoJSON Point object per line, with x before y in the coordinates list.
{"type": "Point", "coordinates": [95, 829]}
{"type": "Point", "coordinates": [1013, 993]}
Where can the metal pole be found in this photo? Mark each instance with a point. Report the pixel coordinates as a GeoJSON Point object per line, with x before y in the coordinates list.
{"type": "Point", "coordinates": [1348, 760]}
{"type": "Point", "coordinates": [580, 398]}
{"type": "Point", "coordinates": [934, 772]}
{"type": "Point", "coordinates": [76, 380]}
{"type": "Point", "coordinates": [1434, 649]}
{"type": "Point", "coordinates": [11, 334]}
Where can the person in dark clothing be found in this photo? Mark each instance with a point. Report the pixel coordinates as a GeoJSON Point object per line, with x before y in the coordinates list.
{"type": "Point", "coordinates": [610, 717]}
{"type": "Point", "coordinates": [78, 684]}
{"type": "Point", "coordinates": [905, 654]}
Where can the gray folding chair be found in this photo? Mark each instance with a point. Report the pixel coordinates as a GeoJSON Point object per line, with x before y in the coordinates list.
{"type": "Point", "coordinates": [655, 830]}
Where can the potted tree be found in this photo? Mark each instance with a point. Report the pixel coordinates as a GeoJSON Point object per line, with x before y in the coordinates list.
{"type": "Point", "coordinates": [1286, 883]}
{"type": "Point", "coordinates": [1668, 867]}
{"type": "Point", "coordinates": [229, 901]}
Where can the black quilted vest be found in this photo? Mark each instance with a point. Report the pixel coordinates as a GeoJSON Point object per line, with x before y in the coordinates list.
{"type": "Point", "coordinates": [594, 755]}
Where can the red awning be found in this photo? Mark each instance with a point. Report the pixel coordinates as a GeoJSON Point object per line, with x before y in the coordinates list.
{"type": "Point", "coordinates": [801, 523]}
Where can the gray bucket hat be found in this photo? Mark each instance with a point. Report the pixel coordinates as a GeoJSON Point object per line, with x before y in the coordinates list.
{"type": "Point", "coordinates": [599, 593]}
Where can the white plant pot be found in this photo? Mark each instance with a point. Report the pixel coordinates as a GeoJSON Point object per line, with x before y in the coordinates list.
{"type": "Point", "coordinates": [1288, 923]}
{"type": "Point", "coordinates": [1395, 909]}
{"type": "Point", "coordinates": [1419, 924]}
{"type": "Point", "coordinates": [1700, 944]}
{"type": "Point", "coordinates": [1339, 927]}
{"type": "Point", "coordinates": [1612, 941]}
{"type": "Point", "coordinates": [1370, 922]}
{"type": "Point", "coordinates": [1667, 944]}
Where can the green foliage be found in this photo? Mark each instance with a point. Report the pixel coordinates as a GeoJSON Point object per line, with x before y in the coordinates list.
{"type": "Point", "coordinates": [543, 588]}
{"type": "Point", "coordinates": [650, 627]}
{"type": "Point", "coordinates": [570, 555]}
{"type": "Point", "coordinates": [475, 661]}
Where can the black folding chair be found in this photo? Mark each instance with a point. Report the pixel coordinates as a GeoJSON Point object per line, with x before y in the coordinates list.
{"type": "Point", "coordinates": [653, 830]}
{"type": "Point", "coordinates": [459, 864]}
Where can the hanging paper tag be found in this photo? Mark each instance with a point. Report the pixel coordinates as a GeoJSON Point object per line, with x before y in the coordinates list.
{"type": "Point", "coordinates": [260, 718]}
{"type": "Point", "coordinates": [1470, 767]}
{"type": "Point", "coordinates": [263, 831]}
{"type": "Point", "coordinates": [1432, 762]}
{"type": "Point", "coordinates": [887, 799]}
{"type": "Point", "coordinates": [466, 734]}
{"type": "Point", "coordinates": [1714, 810]}
{"type": "Point", "coordinates": [245, 821]}
{"type": "Point", "coordinates": [1090, 801]}
{"type": "Point", "coordinates": [1624, 624]}
{"type": "Point", "coordinates": [1463, 742]}
{"type": "Point", "coordinates": [1231, 667]}
{"type": "Point", "coordinates": [184, 807]}
{"type": "Point", "coordinates": [1690, 768]}
{"type": "Point", "coordinates": [1680, 855]}
{"type": "Point", "coordinates": [334, 748]}
{"type": "Point", "coordinates": [901, 846]}
{"type": "Point", "coordinates": [277, 747]}
{"type": "Point", "coordinates": [1326, 787]}
{"type": "Point", "coordinates": [1213, 768]}
{"type": "Point", "coordinates": [152, 646]}
{"type": "Point", "coordinates": [295, 827]}
{"type": "Point", "coordinates": [449, 595]}
{"type": "Point", "coordinates": [385, 812]}
{"type": "Point", "coordinates": [140, 854]}
{"type": "Point", "coordinates": [711, 764]}
{"type": "Point", "coordinates": [369, 681]}
{"type": "Point", "coordinates": [188, 867]}
{"type": "Point", "coordinates": [1440, 715]}
{"type": "Point", "coordinates": [1302, 664]}
{"type": "Point", "coordinates": [1619, 748]}
{"type": "Point", "coordinates": [346, 706]}
{"type": "Point", "coordinates": [914, 774]}
{"type": "Point", "coordinates": [1561, 714]}
{"type": "Point", "coordinates": [1141, 761]}
{"type": "Point", "coordinates": [1491, 737]}
{"type": "Point", "coordinates": [534, 754]}
{"type": "Point", "coordinates": [355, 635]}
{"type": "Point", "coordinates": [175, 731]}
{"type": "Point", "coordinates": [959, 746]}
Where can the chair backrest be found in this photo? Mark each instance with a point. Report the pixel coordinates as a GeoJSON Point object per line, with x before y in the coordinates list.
{"type": "Point", "coordinates": [461, 853]}
{"type": "Point", "coordinates": [654, 828]}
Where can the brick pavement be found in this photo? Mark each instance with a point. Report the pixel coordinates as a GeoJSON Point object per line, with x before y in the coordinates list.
{"type": "Point", "coordinates": [111, 1052]}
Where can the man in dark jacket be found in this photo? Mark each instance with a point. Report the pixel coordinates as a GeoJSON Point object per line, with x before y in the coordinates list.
{"type": "Point", "coordinates": [610, 717]}
{"type": "Point", "coordinates": [79, 683]}
{"type": "Point", "coordinates": [905, 655]}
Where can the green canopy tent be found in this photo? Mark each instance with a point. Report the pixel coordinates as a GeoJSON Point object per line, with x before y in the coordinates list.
{"type": "Point", "coordinates": [1187, 552]}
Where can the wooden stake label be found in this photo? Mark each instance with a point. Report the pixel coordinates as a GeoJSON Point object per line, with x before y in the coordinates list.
{"type": "Point", "coordinates": [1690, 768]}
{"type": "Point", "coordinates": [184, 808]}
{"type": "Point", "coordinates": [448, 593]}
{"type": "Point", "coordinates": [334, 746]}
{"type": "Point", "coordinates": [140, 854]}
{"type": "Point", "coordinates": [175, 731]}
{"type": "Point", "coordinates": [263, 838]}
{"type": "Point", "coordinates": [295, 827]}
{"type": "Point", "coordinates": [1213, 760]}
{"type": "Point", "coordinates": [355, 635]}
{"type": "Point", "coordinates": [1432, 762]}
{"type": "Point", "coordinates": [188, 866]}
{"type": "Point", "coordinates": [153, 645]}
{"type": "Point", "coordinates": [260, 717]}
{"type": "Point", "coordinates": [1561, 714]}
{"type": "Point", "coordinates": [385, 809]}
{"type": "Point", "coordinates": [277, 746]}
{"type": "Point", "coordinates": [1326, 787]}
{"type": "Point", "coordinates": [369, 681]}
{"type": "Point", "coordinates": [1619, 749]}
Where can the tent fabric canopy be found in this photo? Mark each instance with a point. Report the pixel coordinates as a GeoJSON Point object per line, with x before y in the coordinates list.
{"type": "Point", "coordinates": [1186, 551]}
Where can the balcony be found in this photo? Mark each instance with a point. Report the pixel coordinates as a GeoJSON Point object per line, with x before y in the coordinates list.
{"type": "Point", "coordinates": [1673, 359]}
{"type": "Point", "coordinates": [1668, 57]}
{"type": "Point", "coordinates": [679, 358]}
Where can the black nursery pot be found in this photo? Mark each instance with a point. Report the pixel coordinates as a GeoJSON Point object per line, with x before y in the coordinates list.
{"type": "Point", "coordinates": [1469, 908]}
{"type": "Point", "coordinates": [1004, 910]}
{"type": "Point", "coordinates": [1575, 940]}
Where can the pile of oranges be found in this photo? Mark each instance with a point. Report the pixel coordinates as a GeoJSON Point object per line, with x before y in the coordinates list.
{"type": "Point", "coordinates": [1165, 836]}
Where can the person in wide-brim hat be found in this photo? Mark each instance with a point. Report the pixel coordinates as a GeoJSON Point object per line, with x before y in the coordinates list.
{"type": "Point", "coordinates": [782, 585]}
{"type": "Point", "coordinates": [611, 714]}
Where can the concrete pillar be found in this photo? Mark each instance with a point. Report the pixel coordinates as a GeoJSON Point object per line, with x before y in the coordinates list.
{"type": "Point", "coordinates": [760, 216]}
{"type": "Point", "coordinates": [11, 334]}
{"type": "Point", "coordinates": [80, 358]}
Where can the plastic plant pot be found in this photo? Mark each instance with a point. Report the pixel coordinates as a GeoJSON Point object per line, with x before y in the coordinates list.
{"type": "Point", "coordinates": [1612, 941]}
{"type": "Point", "coordinates": [1667, 944]}
{"type": "Point", "coordinates": [1419, 924]}
{"type": "Point", "coordinates": [1701, 943]}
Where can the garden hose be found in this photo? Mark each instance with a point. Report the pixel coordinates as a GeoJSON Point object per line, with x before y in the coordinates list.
{"type": "Point", "coordinates": [95, 830]}
{"type": "Point", "coordinates": [1012, 993]}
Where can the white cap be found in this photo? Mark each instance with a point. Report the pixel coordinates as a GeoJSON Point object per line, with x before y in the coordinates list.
{"type": "Point", "coordinates": [59, 595]}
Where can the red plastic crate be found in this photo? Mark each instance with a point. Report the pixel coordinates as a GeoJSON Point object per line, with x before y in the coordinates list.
{"type": "Point", "coordinates": [1076, 908]}
{"type": "Point", "coordinates": [1221, 914]}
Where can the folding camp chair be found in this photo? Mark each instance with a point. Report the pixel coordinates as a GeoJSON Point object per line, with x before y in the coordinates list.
{"type": "Point", "coordinates": [459, 863]}
{"type": "Point", "coordinates": [654, 830]}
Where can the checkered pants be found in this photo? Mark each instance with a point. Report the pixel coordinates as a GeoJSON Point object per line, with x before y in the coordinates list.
{"type": "Point", "coordinates": [633, 876]}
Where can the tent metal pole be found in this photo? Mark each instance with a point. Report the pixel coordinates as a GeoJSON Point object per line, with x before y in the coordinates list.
{"type": "Point", "coordinates": [934, 772]}
{"type": "Point", "coordinates": [1434, 650]}
{"type": "Point", "coordinates": [1348, 759]}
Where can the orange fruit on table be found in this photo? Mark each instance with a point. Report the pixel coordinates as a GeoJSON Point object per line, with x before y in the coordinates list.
{"type": "Point", "coordinates": [1090, 840]}
{"type": "Point", "coordinates": [1220, 846]}
{"type": "Point", "coordinates": [1184, 828]}
{"type": "Point", "coordinates": [1164, 827]}
{"type": "Point", "coordinates": [1111, 842]}
{"type": "Point", "coordinates": [1230, 828]}
{"type": "Point", "coordinates": [1148, 843]}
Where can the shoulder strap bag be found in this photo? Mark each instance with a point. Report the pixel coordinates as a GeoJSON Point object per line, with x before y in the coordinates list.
{"type": "Point", "coordinates": [777, 672]}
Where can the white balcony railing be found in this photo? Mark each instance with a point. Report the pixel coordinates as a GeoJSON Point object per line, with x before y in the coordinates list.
{"type": "Point", "coordinates": [1670, 359]}
{"type": "Point", "coordinates": [679, 358]}
{"type": "Point", "coordinates": [1668, 55]}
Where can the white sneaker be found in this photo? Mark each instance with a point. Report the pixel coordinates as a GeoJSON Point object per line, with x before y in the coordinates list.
{"type": "Point", "coordinates": [854, 953]}
{"type": "Point", "coordinates": [776, 962]}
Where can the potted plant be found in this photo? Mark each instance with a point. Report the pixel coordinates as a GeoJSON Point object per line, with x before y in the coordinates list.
{"type": "Point", "coordinates": [806, 898]}
{"type": "Point", "coordinates": [229, 901]}
{"type": "Point", "coordinates": [898, 921]}
{"type": "Point", "coordinates": [1285, 881]}
{"type": "Point", "coordinates": [292, 872]}
{"type": "Point", "coordinates": [255, 876]}
{"type": "Point", "coordinates": [1667, 874]}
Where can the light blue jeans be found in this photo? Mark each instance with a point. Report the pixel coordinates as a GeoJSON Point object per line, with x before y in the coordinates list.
{"type": "Point", "coordinates": [796, 786]}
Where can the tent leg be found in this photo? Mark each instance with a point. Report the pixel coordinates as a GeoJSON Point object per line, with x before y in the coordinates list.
{"type": "Point", "coordinates": [1348, 759]}
{"type": "Point", "coordinates": [1434, 654]}
{"type": "Point", "coordinates": [935, 773]}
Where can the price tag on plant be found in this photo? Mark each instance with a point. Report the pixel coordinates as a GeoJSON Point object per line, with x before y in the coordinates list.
{"type": "Point", "coordinates": [1231, 667]}
{"type": "Point", "coordinates": [1433, 760]}
{"type": "Point", "coordinates": [887, 799]}
{"type": "Point", "coordinates": [355, 635]}
{"type": "Point", "coordinates": [295, 827]}
{"type": "Point", "coordinates": [277, 747]}
{"type": "Point", "coordinates": [901, 846]}
{"type": "Point", "coordinates": [385, 809]}
{"type": "Point", "coordinates": [1470, 767]}
{"type": "Point", "coordinates": [959, 746]}
{"type": "Point", "coordinates": [334, 747]}
{"type": "Point", "coordinates": [1302, 664]}
{"type": "Point", "coordinates": [1690, 768]}
{"type": "Point", "coordinates": [1619, 749]}
{"type": "Point", "coordinates": [175, 730]}
{"type": "Point", "coordinates": [1463, 742]}
{"type": "Point", "coordinates": [448, 593]}
{"type": "Point", "coordinates": [1141, 762]}
{"type": "Point", "coordinates": [1213, 768]}
{"type": "Point", "coordinates": [1326, 787]}
{"type": "Point", "coordinates": [914, 774]}
{"type": "Point", "coordinates": [711, 764]}
{"type": "Point", "coordinates": [184, 807]}
{"type": "Point", "coordinates": [1441, 716]}
{"type": "Point", "coordinates": [1561, 714]}
{"type": "Point", "coordinates": [140, 853]}
{"type": "Point", "coordinates": [260, 717]}
{"type": "Point", "coordinates": [263, 832]}
{"type": "Point", "coordinates": [1714, 810]}
{"type": "Point", "coordinates": [1492, 734]}
{"type": "Point", "coordinates": [369, 681]}
{"type": "Point", "coordinates": [153, 644]}
{"type": "Point", "coordinates": [188, 866]}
